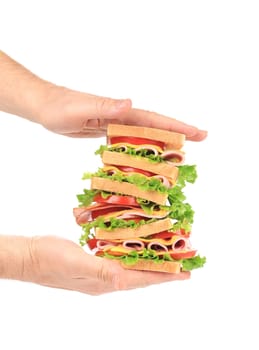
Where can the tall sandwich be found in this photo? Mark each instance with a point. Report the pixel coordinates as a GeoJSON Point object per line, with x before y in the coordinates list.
{"type": "Point", "coordinates": [135, 210]}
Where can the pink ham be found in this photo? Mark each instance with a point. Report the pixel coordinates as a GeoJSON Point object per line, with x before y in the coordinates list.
{"type": "Point", "coordinates": [102, 244]}
{"type": "Point", "coordinates": [163, 180]}
{"type": "Point", "coordinates": [158, 247]}
{"type": "Point", "coordinates": [172, 155]}
{"type": "Point", "coordinates": [152, 150]}
{"type": "Point", "coordinates": [180, 243]}
{"type": "Point", "coordinates": [133, 244]}
{"type": "Point", "coordinates": [86, 214]}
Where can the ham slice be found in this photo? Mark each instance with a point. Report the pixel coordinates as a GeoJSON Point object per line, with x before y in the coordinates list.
{"type": "Point", "coordinates": [87, 214]}
{"type": "Point", "coordinates": [174, 244]}
{"type": "Point", "coordinates": [134, 244]}
{"type": "Point", "coordinates": [173, 157]}
{"type": "Point", "coordinates": [158, 247]}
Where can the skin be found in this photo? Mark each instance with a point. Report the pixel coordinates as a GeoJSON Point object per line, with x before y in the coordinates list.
{"type": "Point", "coordinates": [52, 261]}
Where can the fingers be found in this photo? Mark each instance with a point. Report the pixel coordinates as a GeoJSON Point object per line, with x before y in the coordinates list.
{"type": "Point", "coordinates": [114, 277]}
{"type": "Point", "coordinates": [139, 279]}
{"type": "Point", "coordinates": [155, 120]}
{"type": "Point", "coordinates": [88, 115]}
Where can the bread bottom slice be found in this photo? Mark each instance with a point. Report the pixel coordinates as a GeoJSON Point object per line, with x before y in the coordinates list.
{"type": "Point", "coordinates": [149, 265]}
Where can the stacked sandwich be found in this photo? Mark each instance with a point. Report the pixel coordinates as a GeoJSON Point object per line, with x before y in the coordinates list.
{"type": "Point", "coordinates": [135, 210]}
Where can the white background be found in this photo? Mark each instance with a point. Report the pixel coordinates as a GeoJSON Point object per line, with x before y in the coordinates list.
{"type": "Point", "coordinates": [193, 60]}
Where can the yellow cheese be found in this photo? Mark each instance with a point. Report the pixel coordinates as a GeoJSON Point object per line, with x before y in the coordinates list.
{"type": "Point", "coordinates": [121, 144]}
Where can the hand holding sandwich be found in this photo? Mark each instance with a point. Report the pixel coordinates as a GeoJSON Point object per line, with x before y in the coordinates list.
{"type": "Point", "coordinates": [53, 261]}
{"type": "Point", "coordinates": [59, 263]}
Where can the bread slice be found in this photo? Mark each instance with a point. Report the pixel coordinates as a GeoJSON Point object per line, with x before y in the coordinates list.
{"type": "Point", "coordinates": [130, 233]}
{"type": "Point", "coordinates": [116, 158]}
{"type": "Point", "coordinates": [99, 183]}
{"type": "Point", "coordinates": [171, 139]}
{"type": "Point", "coordinates": [149, 265]}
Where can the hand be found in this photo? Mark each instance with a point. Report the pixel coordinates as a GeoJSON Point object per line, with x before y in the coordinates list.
{"type": "Point", "coordinates": [74, 113]}
{"type": "Point", "coordinates": [79, 114]}
{"type": "Point", "coordinates": [60, 263]}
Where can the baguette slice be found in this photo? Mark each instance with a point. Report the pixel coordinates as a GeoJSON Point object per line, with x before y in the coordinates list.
{"type": "Point", "coordinates": [171, 139]}
{"type": "Point", "coordinates": [126, 188]}
{"type": "Point", "coordinates": [116, 158]}
{"type": "Point", "coordinates": [128, 233]}
{"type": "Point", "coordinates": [149, 265]}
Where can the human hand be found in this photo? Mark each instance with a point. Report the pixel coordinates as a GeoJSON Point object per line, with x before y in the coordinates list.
{"type": "Point", "coordinates": [79, 114]}
{"type": "Point", "coordinates": [60, 263]}
{"type": "Point", "coordinates": [74, 113]}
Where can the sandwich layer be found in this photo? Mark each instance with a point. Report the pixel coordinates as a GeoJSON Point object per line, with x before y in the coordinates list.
{"type": "Point", "coordinates": [128, 233]}
{"type": "Point", "coordinates": [171, 139]}
{"type": "Point", "coordinates": [126, 188]}
{"type": "Point", "coordinates": [116, 158]}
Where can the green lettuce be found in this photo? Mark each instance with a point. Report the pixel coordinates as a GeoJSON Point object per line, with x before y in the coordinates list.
{"type": "Point", "coordinates": [132, 257]}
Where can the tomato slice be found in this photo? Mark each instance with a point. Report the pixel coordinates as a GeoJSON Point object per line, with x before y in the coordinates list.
{"type": "Point", "coordinates": [117, 199]}
{"type": "Point", "coordinates": [128, 169]}
{"type": "Point", "coordinates": [136, 141]}
{"type": "Point", "coordinates": [163, 235]}
{"type": "Point", "coordinates": [92, 243]}
{"type": "Point", "coordinates": [182, 254]}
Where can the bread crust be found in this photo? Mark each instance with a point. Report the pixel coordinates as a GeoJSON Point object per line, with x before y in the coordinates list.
{"type": "Point", "coordinates": [116, 158]}
{"type": "Point", "coordinates": [99, 183]}
{"type": "Point", "coordinates": [172, 140]}
{"type": "Point", "coordinates": [130, 233]}
{"type": "Point", "coordinates": [149, 265]}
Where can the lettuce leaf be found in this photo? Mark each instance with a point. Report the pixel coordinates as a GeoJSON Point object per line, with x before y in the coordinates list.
{"type": "Point", "coordinates": [133, 152]}
{"type": "Point", "coordinates": [132, 257]}
{"type": "Point", "coordinates": [110, 225]}
{"type": "Point", "coordinates": [86, 198]}
{"type": "Point", "coordinates": [193, 263]}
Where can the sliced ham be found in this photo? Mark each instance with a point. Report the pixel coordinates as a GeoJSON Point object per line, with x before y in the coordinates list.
{"type": "Point", "coordinates": [158, 247]}
{"type": "Point", "coordinates": [134, 244]}
{"type": "Point", "coordinates": [179, 243]}
{"type": "Point", "coordinates": [103, 245]}
{"type": "Point", "coordinates": [149, 148]}
{"type": "Point", "coordinates": [173, 157]}
{"type": "Point", "coordinates": [175, 244]}
{"type": "Point", "coordinates": [87, 214]}
{"type": "Point", "coordinates": [164, 180]}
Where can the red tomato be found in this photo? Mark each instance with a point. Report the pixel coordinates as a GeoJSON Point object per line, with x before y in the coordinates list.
{"type": "Point", "coordinates": [128, 169]}
{"type": "Point", "coordinates": [184, 233]}
{"type": "Point", "coordinates": [163, 235]}
{"type": "Point", "coordinates": [184, 254]}
{"type": "Point", "coordinates": [136, 141]}
{"type": "Point", "coordinates": [92, 243]}
{"type": "Point", "coordinates": [116, 199]}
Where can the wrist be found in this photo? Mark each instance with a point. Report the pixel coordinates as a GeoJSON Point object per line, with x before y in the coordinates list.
{"type": "Point", "coordinates": [15, 258]}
